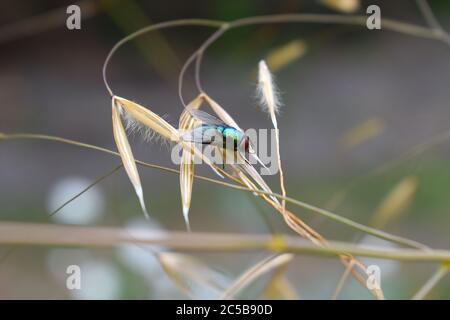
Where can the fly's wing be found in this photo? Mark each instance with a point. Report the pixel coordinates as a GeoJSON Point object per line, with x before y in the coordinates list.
{"type": "Point", "coordinates": [205, 117]}
{"type": "Point", "coordinates": [202, 134]}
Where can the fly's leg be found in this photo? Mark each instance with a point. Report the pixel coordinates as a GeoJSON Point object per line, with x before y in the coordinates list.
{"type": "Point", "coordinates": [224, 157]}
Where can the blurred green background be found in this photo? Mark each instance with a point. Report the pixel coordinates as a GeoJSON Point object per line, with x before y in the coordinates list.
{"type": "Point", "coordinates": [354, 100]}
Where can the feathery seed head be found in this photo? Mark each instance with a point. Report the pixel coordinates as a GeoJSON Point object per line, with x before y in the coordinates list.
{"type": "Point", "coordinates": [267, 91]}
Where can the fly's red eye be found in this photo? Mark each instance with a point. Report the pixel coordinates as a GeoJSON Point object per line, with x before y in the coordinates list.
{"type": "Point", "coordinates": [246, 143]}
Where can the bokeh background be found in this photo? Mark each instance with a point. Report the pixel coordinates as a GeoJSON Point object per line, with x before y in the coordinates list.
{"type": "Point", "coordinates": [354, 101]}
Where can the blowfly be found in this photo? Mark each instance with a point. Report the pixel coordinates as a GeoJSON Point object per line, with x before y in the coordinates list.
{"type": "Point", "coordinates": [213, 131]}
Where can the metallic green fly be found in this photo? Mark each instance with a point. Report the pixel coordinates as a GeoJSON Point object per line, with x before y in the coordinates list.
{"type": "Point", "coordinates": [215, 132]}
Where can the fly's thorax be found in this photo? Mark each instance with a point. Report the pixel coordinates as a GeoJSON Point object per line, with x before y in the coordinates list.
{"type": "Point", "coordinates": [232, 133]}
{"type": "Point", "coordinates": [221, 129]}
{"type": "Point", "coordinates": [231, 138]}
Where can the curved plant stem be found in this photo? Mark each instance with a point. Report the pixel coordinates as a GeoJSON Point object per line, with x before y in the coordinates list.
{"type": "Point", "coordinates": [166, 24]}
{"type": "Point", "coordinates": [223, 26]}
{"type": "Point", "coordinates": [357, 20]}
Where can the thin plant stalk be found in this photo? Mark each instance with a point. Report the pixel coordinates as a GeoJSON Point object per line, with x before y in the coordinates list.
{"type": "Point", "coordinates": [440, 273]}
{"type": "Point", "coordinates": [36, 234]}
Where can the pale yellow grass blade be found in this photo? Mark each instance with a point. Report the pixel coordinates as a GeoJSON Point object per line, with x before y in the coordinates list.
{"type": "Point", "coordinates": [221, 113]}
{"type": "Point", "coordinates": [186, 183]}
{"type": "Point", "coordinates": [187, 122]}
{"type": "Point", "coordinates": [256, 271]}
{"type": "Point", "coordinates": [282, 56]}
{"type": "Point", "coordinates": [396, 202]}
{"type": "Point", "coordinates": [148, 118]}
{"type": "Point", "coordinates": [361, 133]}
{"type": "Point", "coordinates": [345, 6]}
{"type": "Point", "coordinates": [126, 154]}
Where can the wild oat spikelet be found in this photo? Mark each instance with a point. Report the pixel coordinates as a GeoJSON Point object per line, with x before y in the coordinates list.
{"type": "Point", "coordinates": [268, 93]}
{"type": "Point", "coordinates": [126, 154]}
{"type": "Point", "coordinates": [186, 123]}
{"type": "Point", "coordinates": [270, 101]}
{"type": "Point", "coordinates": [136, 113]}
{"type": "Point", "coordinates": [148, 118]}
